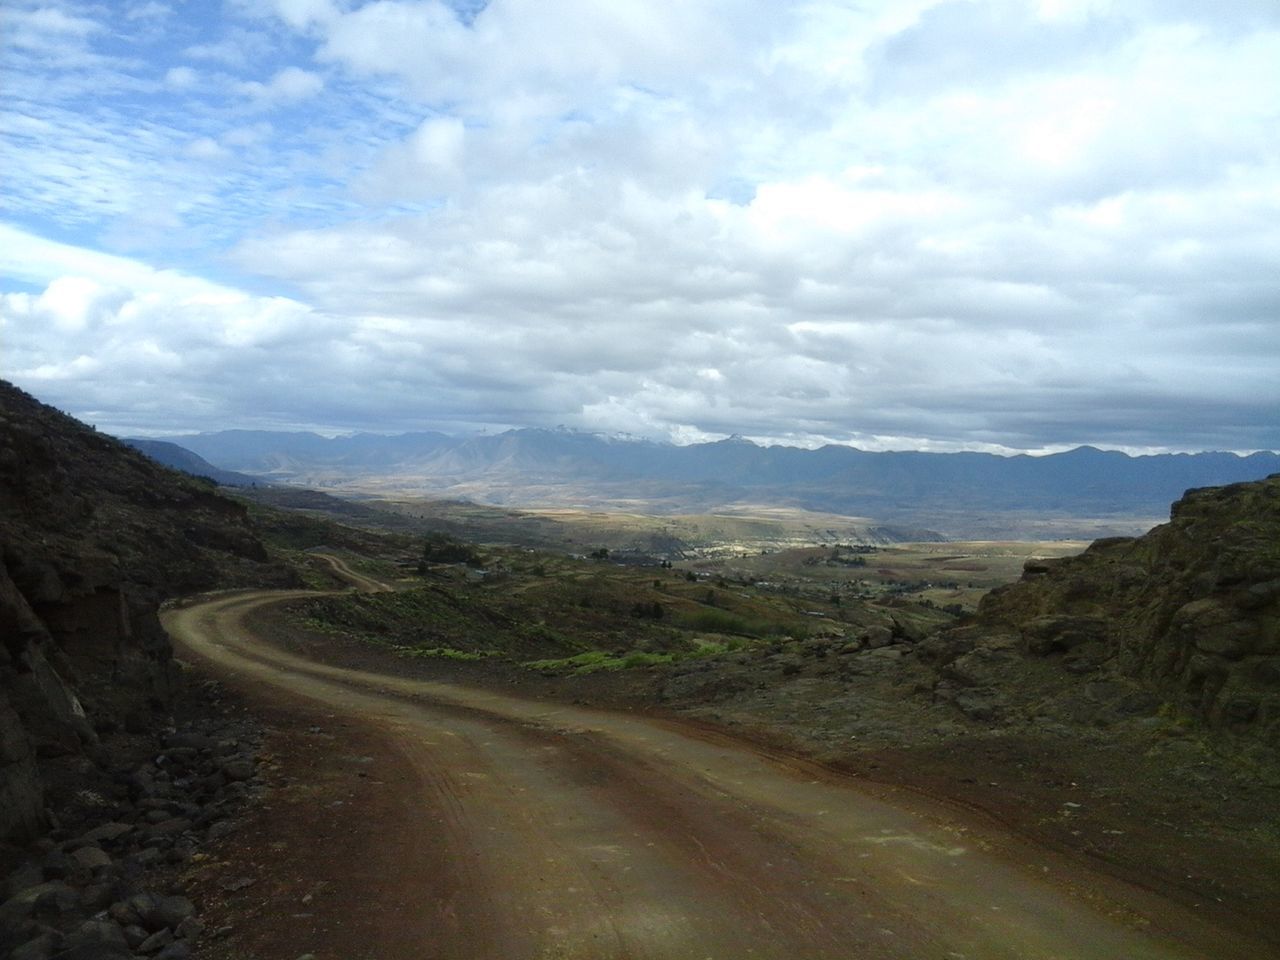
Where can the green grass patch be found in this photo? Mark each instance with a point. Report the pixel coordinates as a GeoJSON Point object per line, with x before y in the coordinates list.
{"type": "Point", "coordinates": [444, 653]}
{"type": "Point", "coordinates": [587, 662]}
{"type": "Point", "coordinates": [714, 648]}
{"type": "Point", "coordinates": [595, 660]}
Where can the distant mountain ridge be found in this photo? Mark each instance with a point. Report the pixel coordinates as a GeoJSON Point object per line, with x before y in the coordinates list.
{"type": "Point", "coordinates": [1082, 482]}
{"type": "Point", "coordinates": [180, 458]}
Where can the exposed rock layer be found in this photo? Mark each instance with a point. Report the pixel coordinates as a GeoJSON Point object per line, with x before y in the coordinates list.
{"type": "Point", "coordinates": [1191, 608]}
{"type": "Point", "coordinates": [92, 536]}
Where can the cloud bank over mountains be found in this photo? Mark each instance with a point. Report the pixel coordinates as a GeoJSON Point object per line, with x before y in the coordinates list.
{"type": "Point", "coordinates": [932, 225]}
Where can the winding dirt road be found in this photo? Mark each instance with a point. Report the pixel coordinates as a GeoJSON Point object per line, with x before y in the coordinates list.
{"type": "Point", "coordinates": [357, 580]}
{"type": "Point", "coordinates": [561, 832]}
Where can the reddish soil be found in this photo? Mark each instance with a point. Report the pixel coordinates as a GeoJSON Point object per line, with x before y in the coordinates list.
{"type": "Point", "coordinates": [323, 853]}
{"type": "Point", "coordinates": [1208, 842]}
{"type": "Point", "coordinates": [434, 820]}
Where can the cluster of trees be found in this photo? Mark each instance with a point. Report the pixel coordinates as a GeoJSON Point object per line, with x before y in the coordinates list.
{"type": "Point", "coordinates": [838, 559]}
{"type": "Point", "coordinates": [442, 548]}
{"type": "Point", "coordinates": [648, 610]}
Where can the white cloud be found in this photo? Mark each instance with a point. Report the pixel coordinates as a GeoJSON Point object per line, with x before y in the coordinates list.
{"type": "Point", "coordinates": [205, 148]}
{"type": "Point", "coordinates": [301, 14]}
{"type": "Point", "coordinates": [286, 86]}
{"type": "Point", "coordinates": [993, 223]}
{"type": "Point", "coordinates": [237, 48]}
{"type": "Point", "coordinates": [439, 143]}
{"type": "Point", "coordinates": [180, 78]}
{"type": "Point", "coordinates": [104, 323]}
{"type": "Point", "coordinates": [30, 25]}
{"type": "Point", "coordinates": [74, 304]}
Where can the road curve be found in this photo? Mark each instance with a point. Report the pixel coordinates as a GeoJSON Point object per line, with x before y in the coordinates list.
{"type": "Point", "coordinates": [578, 833]}
{"type": "Point", "coordinates": [357, 580]}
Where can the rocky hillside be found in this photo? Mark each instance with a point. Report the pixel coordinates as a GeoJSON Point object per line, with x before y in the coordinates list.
{"type": "Point", "coordinates": [1191, 610]}
{"type": "Point", "coordinates": [93, 535]}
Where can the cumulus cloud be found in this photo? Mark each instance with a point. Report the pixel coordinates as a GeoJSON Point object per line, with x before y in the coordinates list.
{"type": "Point", "coordinates": [105, 325]}
{"type": "Point", "coordinates": [285, 86]}
{"type": "Point", "coordinates": [984, 223]}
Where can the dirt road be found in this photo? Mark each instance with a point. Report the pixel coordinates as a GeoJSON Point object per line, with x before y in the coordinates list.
{"type": "Point", "coordinates": [357, 580]}
{"type": "Point", "coordinates": [553, 831]}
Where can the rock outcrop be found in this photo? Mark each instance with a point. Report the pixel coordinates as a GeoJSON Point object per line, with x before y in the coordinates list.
{"type": "Point", "coordinates": [1191, 609]}
{"type": "Point", "coordinates": [93, 536]}
{"type": "Point", "coordinates": [105, 887]}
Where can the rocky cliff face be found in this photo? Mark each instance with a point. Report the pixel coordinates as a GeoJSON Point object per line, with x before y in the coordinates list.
{"type": "Point", "coordinates": [1192, 610]}
{"type": "Point", "coordinates": [92, 536]}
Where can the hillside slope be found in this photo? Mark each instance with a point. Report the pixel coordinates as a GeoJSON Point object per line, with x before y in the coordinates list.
{"type": "Point", "coordinates": [180, 458]}
{"type": "Point", "coordinates": [92, 536]}
{"type": "Point", "coordinates": [1191, 609]}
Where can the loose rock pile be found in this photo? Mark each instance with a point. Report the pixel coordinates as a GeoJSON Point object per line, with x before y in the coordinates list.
{"type": "Point", "coordinates": [106, 888]}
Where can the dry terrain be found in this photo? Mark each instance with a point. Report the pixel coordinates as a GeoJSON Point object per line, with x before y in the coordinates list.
{"type": "Point", "coordinates": [946, 573]}
{"type": "Point", "coordinates": [446, 820]}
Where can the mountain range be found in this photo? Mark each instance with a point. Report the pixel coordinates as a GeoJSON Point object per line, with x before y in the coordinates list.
{"type": "Point", "coordinates": [180, 458]}
{"type": "Point", "coordinates": [948, 491]}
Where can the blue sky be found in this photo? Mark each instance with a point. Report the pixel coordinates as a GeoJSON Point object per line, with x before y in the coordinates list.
{"type": "Point", "coordinates": [937, 225]}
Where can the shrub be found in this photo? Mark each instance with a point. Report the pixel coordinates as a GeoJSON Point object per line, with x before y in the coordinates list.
{"type": "Point", "coordinates": [442, 548]}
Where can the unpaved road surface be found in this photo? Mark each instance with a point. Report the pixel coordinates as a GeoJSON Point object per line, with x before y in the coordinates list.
{"type": "Point", "coordinates": [357, 580]}
{"type": "Point", "coordinates": [535, 830]}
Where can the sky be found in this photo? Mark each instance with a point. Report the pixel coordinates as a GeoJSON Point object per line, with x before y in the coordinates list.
{"type": "Point", "coordinates": [969, 224]}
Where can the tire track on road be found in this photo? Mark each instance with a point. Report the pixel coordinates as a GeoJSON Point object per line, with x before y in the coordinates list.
{"type": "Point", "coordinates": [589, 834]}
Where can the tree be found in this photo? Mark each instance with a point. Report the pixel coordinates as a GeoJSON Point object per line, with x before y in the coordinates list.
{"type": "Point", "coordinates": [442, 548]}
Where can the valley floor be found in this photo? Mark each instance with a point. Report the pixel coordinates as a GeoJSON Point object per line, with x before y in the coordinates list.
{"type": "Point", "coordinates": [418, 818]}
